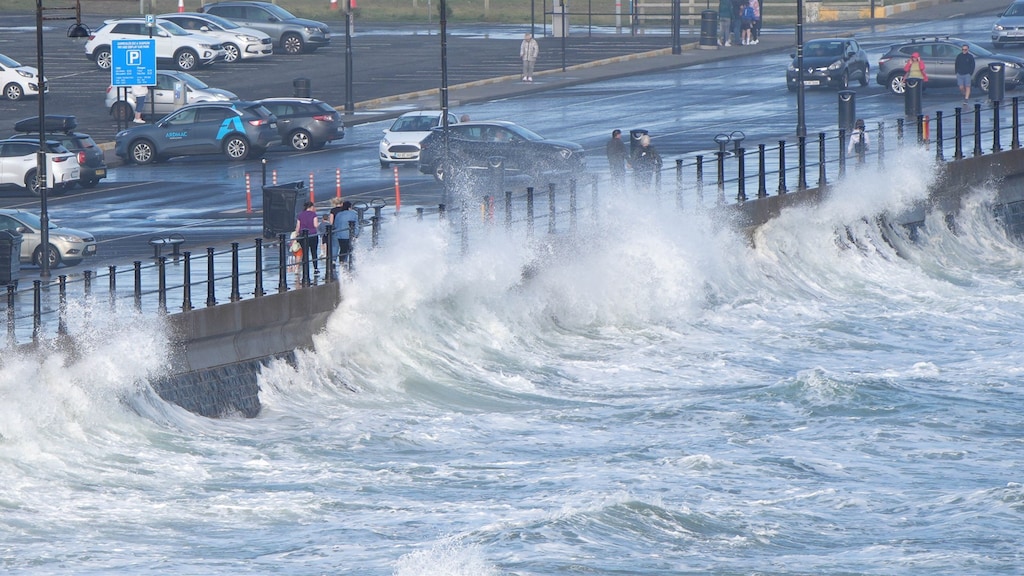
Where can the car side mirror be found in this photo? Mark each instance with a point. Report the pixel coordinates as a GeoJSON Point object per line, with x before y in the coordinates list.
{"type": "Point", "coordinates": [204, 28]}
{"type": "Point", "coordinates": [22, 229]}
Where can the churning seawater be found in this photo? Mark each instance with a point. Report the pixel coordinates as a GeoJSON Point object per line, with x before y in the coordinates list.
{"type": "Point", "coordinates": [657, 396]}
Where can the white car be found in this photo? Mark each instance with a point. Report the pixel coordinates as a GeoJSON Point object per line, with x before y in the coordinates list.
{"type": "Point", "coordinates": [18, 164]}
{"type": "Point", "coordinates": [173, 90]}
{"type": "Point", "coordinates": [401, 142]}
{"type": "Point", "coordinates": [67, 245]}
{"type": "Point", "coordinates": [19, 81]}
{"type": "Point", "coordinates": [239, 42]}
{"type": "Point", "coordinates": [173, 43]}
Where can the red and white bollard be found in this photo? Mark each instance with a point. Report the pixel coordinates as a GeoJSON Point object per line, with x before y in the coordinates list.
{"type": "Point", "coordinates": [181, 6]}
{"type": "Point", "coordinates": [248, 194]}
{"type": "Point", "coordinates": [273, 177]}
{"type": "Point", "coordinates": [337, 179]}
{"type": "Point", "coordinates": [334, 4]}
{"type": "Point", "coordinates": [312, 196]}
{"type": "Point", "coordinates": [398, 193]}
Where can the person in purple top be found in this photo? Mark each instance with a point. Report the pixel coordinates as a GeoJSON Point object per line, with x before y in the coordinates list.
{"type": "Point", "coordinates": [307, 226]}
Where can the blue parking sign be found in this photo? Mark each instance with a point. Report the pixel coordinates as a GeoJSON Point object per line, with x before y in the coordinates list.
{"type": "Point", "coordinates": [133, 62]}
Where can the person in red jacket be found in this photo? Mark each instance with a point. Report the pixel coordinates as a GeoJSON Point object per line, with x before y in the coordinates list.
{"type": "Point", "coordinates": [914, 68]}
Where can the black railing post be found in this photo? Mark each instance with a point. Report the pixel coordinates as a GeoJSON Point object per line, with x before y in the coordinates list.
{"type": "Point", "coordinates": [802, 162]}
{"type": "Point", "coordinates": [551, 208]}
{"type": "Point", "coordinates": [1015, 123]}
{"type": "Point", "coordinates": [186, 283]}
{"type": "Point", "coordinates": [741, 167]}
{"type": "Point", "coordinates": [899, 132]}
{"type": "Point", "coordinates": [508, 209]}
{"type": "Point", "coordinates": [11, 337]}
{"type": "Point", "coordinates": [822, 181]}
{"type": "Point", "coordinates": [679, 183]}
{"type": "Point", "coordinates": [572, 206]}
{"type": "Point", "coordinates": [258, 290]}
{"type": "Point", "coordinates": [842, 152]}
{"type": "Point", "coordinates": [236, 293]}
{"type": "Point", "coordinates": [881, 144]}
{"type": "Point", "coordinates": [529, 211]}
{"type": "Point", "coordinates": [996, 144]}
{"type": "Point", "coordinates": [700, 181]}
{"type": "Point", "coordinates": [977, 130]}
{"type": "Point", "coordinates": [112, 285]}
{"type": "Point", "coordinates": [920, 128]}
{"type": "Point", "coordinates": [762, 189]}
{"type": "Point", "coordinates": [305, 257]}
{"type": "Point", "coordinates": [720, 198]}
{"type": "Point", "coordinates": [161, 292]}
{"type": "Point", "coordinates": [211, 294]}
{"type": "Point", "coordinates": [329, 250]}
{"type": "Point", "coordinates": [62, 307]}
{"type": "Point", "coordinates": [782, 168]}
{"type": "Point", "coordinates": [958, 134]}
{"type": "Point", "coordinates": [37, 305]}
{"type": "Point", "coordinates": [138, 284]}
{"type": "Point", "coordinates": [939, 154]}
{"type": "Point", "coordinates": [282, 264]}
{"type": "Point", "coordinates": [87, 283]}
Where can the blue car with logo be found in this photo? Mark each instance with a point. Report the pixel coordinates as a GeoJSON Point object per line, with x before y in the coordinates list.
{"type": "Point", "coordinates": [236, 129]}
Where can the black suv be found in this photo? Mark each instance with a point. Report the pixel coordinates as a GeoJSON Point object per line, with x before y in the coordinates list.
{"type": "Point", "coordinates": [61, 128]}
{"type": "Point", "coordinates": [305, 123]}
{"type": "Point", "coordinates": [481, 145]}
{"type": "Point", "coordinates": [939, 56]}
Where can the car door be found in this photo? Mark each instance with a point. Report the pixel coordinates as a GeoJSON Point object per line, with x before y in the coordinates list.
{"type": "Point", "coordinates": [178, 133]}
{"type": "Point", "coordinates": [27, 244]}
{"type": "Point", "coordinates": [16, 159]}
{"type": "Point", "coordinates": [941, 64]}
{"type": "Point", "coordinates": [212, 125]}
{"type": "Point", "coordinates": [163, 93]}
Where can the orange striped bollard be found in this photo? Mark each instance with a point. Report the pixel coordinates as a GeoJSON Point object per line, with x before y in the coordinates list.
{"type": "Point", "coordinates": [273, 177]}
{"type": "Point", "coordinates": [248, 194]}
{"type": "Point", "coordinates": [927, 129]}
{"type": "Point", "coordinates": [337, 181]}
{"type": "Point", "coordinates": [312, 197]}
{"type": "Point", "coordinates": [398, 193]}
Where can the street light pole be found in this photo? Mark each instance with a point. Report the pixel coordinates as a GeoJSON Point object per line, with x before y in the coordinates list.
{"type": "Point", "coordinates": [41, 176]}
{"type": "Point", "coordinates": [446, 181]}
{"type": "Point", "coordinates": [801, 127]}
{"type": "Point", "coordinates": [349, 103]}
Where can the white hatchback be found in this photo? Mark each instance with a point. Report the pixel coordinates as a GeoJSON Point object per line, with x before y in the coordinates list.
{"type": "Point", "coordinates": [18, 81]}
{"type": "Point", "coordinates": [173, 43]}
{"type": "Point", "coordinates": [401, 142]}
{"type": "Point", "coordinates": [239, 42]}
{"type": "Point", "coordinates": [18, 164]}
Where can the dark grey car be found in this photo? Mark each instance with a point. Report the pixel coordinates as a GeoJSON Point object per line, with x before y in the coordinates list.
{"type": "Point", "coordinates": [939, 56]}
{"type": "Point", "coordinates": [291, 35]}
{"type": "Point", "coordinates": [831, 62]}
{"type": "Point", "coordinates": [305, 123]}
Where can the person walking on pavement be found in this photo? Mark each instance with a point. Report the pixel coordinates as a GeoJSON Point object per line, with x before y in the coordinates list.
{"type": "Point", "coordinates": [140, 93]}
{"type": "Point", "coordinates": [736, 34]}
{"type": "Point", "coordinates": [964, 66]}
{"type": "Point", "coordinates": [914, 68]}
{"type": "Point", "coordinates": [615, 150]}
{"type": "Point", "coordinates": [528, 52]}
{"type": "Point", "coordinates": [307, 227]}
{"type": "Point", "coordinates": [646, 161]}
{"type": "Point", "coordinates": [858, 141]}
{"type": "Point", "coordinates": [747, 19]}
{"type": "Point", "coordinates": [755, 28]}
{"type": "Point", "coordinates": [724, 22]}
{"type": "Point", "coordinates": [346, 227]}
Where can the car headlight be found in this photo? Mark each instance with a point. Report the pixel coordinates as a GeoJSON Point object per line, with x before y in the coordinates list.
{"type": "Point", "coordinates": [247, 38]}
{"type": "Point", "coordinates": [792, 67]}
{"type": "Point", "coordinates": [1012, 65]}
{"type": "Point", "coordinates": [24, 74]}
{"type": "Point", "coordinates": [997, 28]}
{"type": "Point", "coordinates": [836, 65]}
{"type": "Point", "coordinates": [66, 238]}
{"type": "Point", "coordinates": [207, 46]}
{"type": "Point", "coordinates": [385, 142]}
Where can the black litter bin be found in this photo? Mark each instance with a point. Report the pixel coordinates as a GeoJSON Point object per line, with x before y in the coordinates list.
{"type": "Point", "coordinates": [634, 139]}
{"type": "Point", "coordinates": [302, 88]}
{"type": "Point", "coordinates": [10, 257]}
{"type": "Point", "coordinates": [996, 81]}
{"type": "Point", "coordinates": [709, 30]}
{"type": "Point", "coordinates": [912, 97]}
{"type": "Point", "coordinates": [847, 110]}
{"type": "Point", "coordinates": [279, 204]}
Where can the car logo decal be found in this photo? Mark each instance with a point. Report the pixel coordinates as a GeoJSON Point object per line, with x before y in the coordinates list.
{"type": "Point", "coordinates": [229, 125]}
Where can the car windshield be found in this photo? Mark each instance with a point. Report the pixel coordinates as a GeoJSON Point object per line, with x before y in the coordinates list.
{"type": "Point", "coordinates": [173, 28]}
{"type": "Point", "coordinates": [32, 221]}
{"type": "Point", "coordinates": [222, 22]}
{"type": "Point", "coordinates": [414, 124]}
{"type": "Point", "coordinates": [823, 49]}
{"type": "Point", "coordinates": [9, 62]}
{"type": "Point", "coordinates": [1014, 10]}
{"type": "Point", "coordinates": [192, 81]}
{"type": "Point", "coordinates": [976, 49]}
{"type": "Point", "coordinates": [524, 133]}
{"type": "Point", "coordinates": [280, 12]}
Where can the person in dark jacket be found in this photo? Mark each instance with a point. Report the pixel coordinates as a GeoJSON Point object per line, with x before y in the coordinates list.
{"type": "Point", "coordinates": [646, 161]}
{"type": "Point", "coordinates": [616, 152]}
{"type": "Point", "coordinates": [964, 66]}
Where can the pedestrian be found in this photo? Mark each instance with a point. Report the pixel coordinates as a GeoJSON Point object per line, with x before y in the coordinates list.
{"type": "Point", "coordinates": [140, 93]}
{"type": "Point", "coordinates": [914, 68]}
{"type": "Point", "coordinates": [528, 51]}
{"type": "Point", "coordinates": [755, 28]}
{"type": "Point", "coordinates": [736, 33]}
{"type": "Point", "coordinates": [307, 227]}
{"type": "Point", "coordinates": [747, 22]}
{"type": "Point", "coordinates": [616, 152]}
{"type": "Point", "coordinates": [964, 66]}
{"type": "Point", "coordinates": [346, 227]}
{"type": "Point", "coordinates": [859, 141]}
{"type": "Point", "coordinates": [724, 22]}
{"type": "Point", "coordinates": [464, 118]}
{"type": "Point", "coordinates": [645, 161]}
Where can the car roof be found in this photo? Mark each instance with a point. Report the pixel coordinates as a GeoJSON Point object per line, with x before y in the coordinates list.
{"type": "Point", "coordinates": [288, 99]}
{"type": "Point", "coordinates": [26, 139]}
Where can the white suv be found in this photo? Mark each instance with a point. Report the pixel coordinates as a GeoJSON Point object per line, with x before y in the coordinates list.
{"type": "Point", "coordinates": [18, 164]}
{"type": "Point", "coordinates": [188, 51]}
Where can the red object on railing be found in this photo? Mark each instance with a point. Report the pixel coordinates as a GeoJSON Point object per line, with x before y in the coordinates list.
{"type": "Point", "coordinates": [398, 193]}
{"type": "Point", "coordinates": [337, 177]}
{"type": "Point", "coordinates": [312, 197]}
{"type": "Point", "coordinates": [248, 194]}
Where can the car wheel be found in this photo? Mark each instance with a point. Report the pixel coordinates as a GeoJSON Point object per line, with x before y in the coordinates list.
{"type": "Point", "coordinates": [14, 91]}
{"type": "Point", "coordinates": [984, 82]}
{"type": "Point", "coordinates": [233, 54]}
{"type": "Point", "coordinates": [53, 254]}
{"type": "Point", "coordinates": [292, 44]}
{"type": "Point", "coordinates": [236, 148]}
{"type": "Point", "coordinates": [865, 75]}
{"type": "Point", "coordinates": [186, 59]}
{"type": "Point", "coordinates": [896, 84]}
{"type": "Point", "coordinates": [300, 140]}
{"type": "Point", "coordinates": [142, 152]}
{"type": "Point", "coordinates": [122, 111]}
{"type": "Point", "coordinates": [103, 58]}
{"type": "Point", "coordinates": [844, 81]}
{"type": "Point", "coordinates": [31, 183]}
{"type": "Point", "coordinates": [90, 183]}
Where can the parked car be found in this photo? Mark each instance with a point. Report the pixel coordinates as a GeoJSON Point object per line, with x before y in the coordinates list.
{"type": "Point", "coordinates": [239, 42]}
{"type": "Point", "coordinates": [290, 34]}
{"type": "Point", "coordinates": [831, 63]}
{"type": "Point", "coordinates": [305, 123]}
{"type": "Point", "coordinates": [67, 245]}
{"type": "Point", "coordinates": [1009, 28]}
{"type": "Point", "coordinates": [188, 51]}
{"type": "Point", "coordinates": [19, 81]}
{"type": "Point", "coordinates": [401, 142]}
{"type": "Point", "coordinates": [478, 145]}
{"type": "Point", "coordinates": [173, 90]}
{"type": "Point", "coordinates": [18, 164]}
{"type": "Point", "coordinates": [939, 56]}
{"type": "Point", "coordinates": [61, 128]}
{"type": "Point", "coordinates": [236, 129]}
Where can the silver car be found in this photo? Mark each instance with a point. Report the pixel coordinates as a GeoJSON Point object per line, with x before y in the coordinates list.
{"type": "Point", "coordinates": [67, 245]}
{"type": "Point", "coordinates": [173, 90]}
{"type": "Point", "coordinates": [1009, 28]}
{"type": "Point", "coordinates": [239, 42]}
{"type": "Point", "coordinates": [291, 35]}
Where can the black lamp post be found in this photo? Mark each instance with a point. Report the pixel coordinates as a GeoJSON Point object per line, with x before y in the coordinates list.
{"type": "Point", "coordinates": [801, 127]}
{"type": "Point", "coordinates": [446, 181]}
{"type": "Point", "coordinates": [349, 103]}
{"type": "Point", "coordinates": [76, 30]}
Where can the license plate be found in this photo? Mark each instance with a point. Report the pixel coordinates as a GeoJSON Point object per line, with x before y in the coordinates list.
{"type": "Point", "coordinates": [405, 155]}
{"type": "Point", "coordinates": [327, 36]}
{"type": "Point", "coordinates": [101, 172]}
{"type": "Point", "coordinates": [90, 249]}
{"type": "Point", "coordinates": [812, 83]}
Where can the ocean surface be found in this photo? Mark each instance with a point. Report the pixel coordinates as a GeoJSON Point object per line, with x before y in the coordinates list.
{"type": "Point", "coordinates": [656, 395]}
